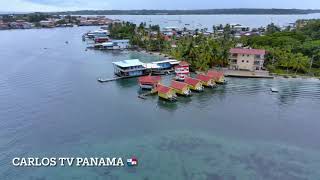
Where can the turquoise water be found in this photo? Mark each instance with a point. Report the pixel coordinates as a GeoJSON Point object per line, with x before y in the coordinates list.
{"type": "Point", "coordinates": [52, 105]}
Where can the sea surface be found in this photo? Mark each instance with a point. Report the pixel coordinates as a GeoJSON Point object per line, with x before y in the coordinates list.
{"type": "Point", "coordinates": [207, 21]}
{"type": "Point", "coordinates": [51, 105]}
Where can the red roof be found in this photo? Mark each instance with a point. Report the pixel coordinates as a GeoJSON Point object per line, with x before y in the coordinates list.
{"type": "Point", "coordinates": [178, 85]}
{"type": "Point", "coordinates": [204, 78]}
{"type": "Point", "coordinates": [184, 63]}
{"type": "Point", "coordinates": [247, 51]}
{"type": "Point", "coordinates": [191, 81]}
{"type": "Point", "coordinates": [163, 89]}
{"type": "Point", "coordinates": [149, 79]}
{"type": "Point", "coordinates": [215, 74]}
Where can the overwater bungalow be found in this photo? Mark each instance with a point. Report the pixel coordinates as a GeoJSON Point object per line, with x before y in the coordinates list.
{"type": "Point", "coordinates": [194, 84]}
{"type": "Point", "coordinates": [181, 88]}
{"type": "Point", "coordinates": [217, 76]}
{"type": "Point", "coordinates": [129, 68]}
{"type": "Point", "coordinates": [114, 45]}
{"type": "Point", "coordinates": [149, 82]}
{"type": "Point", "coordinates": [206, 80]}
{"type": "Point", "coordinates": [182, 71]}
{"type": "Point", "coordinates": [166, 93]}
{"type": "Point", "coordinates": [164, 67]}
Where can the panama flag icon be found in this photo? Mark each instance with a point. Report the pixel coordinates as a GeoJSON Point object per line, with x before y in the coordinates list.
{"type": "Point", "coordinates": [132, 162]}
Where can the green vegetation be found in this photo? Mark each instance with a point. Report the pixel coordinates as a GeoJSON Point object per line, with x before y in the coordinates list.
{"type": "Point", "coordinates": [148, 38]}
{"type": "Point", "coordinates": [290, 51]}
{"type": "Point", "coordinates": [203, 52]}
{"type": "Point", "coordinates": [294, 51]}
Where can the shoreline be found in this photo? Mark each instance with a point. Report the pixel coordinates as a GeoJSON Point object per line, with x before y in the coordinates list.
{"type": "Point", "coordinates": [270, 76]}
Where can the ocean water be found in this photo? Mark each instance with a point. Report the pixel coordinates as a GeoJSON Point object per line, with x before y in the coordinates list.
{"type": "Point", "coordinates": [52, 105]}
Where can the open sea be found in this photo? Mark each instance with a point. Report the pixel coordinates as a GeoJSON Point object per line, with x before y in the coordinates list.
{"type": "Point", "coordinates": [51, 105]}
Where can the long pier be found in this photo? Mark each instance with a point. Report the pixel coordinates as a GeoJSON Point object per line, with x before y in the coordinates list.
{"type": "Point", "coordinates": [105, 80]}
{"type": "Point", "coordinates": [144, 95]}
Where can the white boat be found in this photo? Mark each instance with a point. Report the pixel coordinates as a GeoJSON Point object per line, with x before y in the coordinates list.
{"type": "Point", "coordinates": [275, 90]}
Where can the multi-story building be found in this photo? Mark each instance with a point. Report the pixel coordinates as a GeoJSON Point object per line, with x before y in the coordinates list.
{"type": "Point", "coordinates": [246, 59]}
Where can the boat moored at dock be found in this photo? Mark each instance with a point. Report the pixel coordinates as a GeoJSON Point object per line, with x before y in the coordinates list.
{"type": "Point", "coordinates": [181, 88]}
{"type": "Point", "coordinates": [194, 84]}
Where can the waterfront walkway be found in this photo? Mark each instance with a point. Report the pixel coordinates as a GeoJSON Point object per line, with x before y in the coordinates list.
{"type": "Point", "coordinates": [247, 74]}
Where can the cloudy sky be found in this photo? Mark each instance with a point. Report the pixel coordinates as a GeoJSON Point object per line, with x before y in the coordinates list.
{"type": "Point", "coordinates": [61, 5]}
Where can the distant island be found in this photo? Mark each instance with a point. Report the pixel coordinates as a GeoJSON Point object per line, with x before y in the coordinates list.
{"type": "Point", "coordinates": [243, 11]}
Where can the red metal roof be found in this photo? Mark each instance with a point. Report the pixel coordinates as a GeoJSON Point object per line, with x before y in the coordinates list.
{"type": "Point", "coordinates": [163, 89]}
{"type": "Point", "coordinates": [178, 85]}
{"type": "Point", "coordinates": [191, 81]}
{"type": "Point", "coordinates": [204, 78]}
{"type": "Point", "coordinates": [247, 51]}
{"type": "Point", "coordinates": [149, 79]}
{"type": "Point", "coordinates": [215, 74]}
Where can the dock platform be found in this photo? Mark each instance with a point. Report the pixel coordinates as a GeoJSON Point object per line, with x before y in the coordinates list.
{"type": "Point", "coordinates": [247, 74]}
{"type": "Point", "coordinates": [144, 95]}
{"type": "Point", "coordinates": [105, 80]}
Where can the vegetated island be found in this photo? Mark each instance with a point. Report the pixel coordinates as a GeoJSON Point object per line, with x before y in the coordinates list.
{"type": "Point", "coordinates": [190, 12]}
{"type": "Point", "coordinates": [292, 51]}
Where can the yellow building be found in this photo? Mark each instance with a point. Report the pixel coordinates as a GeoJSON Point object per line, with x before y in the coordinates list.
{"type": "Point", "coordinates": [206, 80]}
{"type": "Point", "coordinates": [166, 93]}
{"type": "Point", "coordinates": [181, 88]}
{"type": "Point", "coordinates": [194, 84]}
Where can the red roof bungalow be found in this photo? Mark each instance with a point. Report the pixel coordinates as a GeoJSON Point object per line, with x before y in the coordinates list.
{"type": "Point", "coordinates": [194, 84]}
{"type": "Point", "coordinates": [166, 92]}
{"type": "Point", "coordinates": [217, 76]}
{"type": "Point", "coordinates": [149, 82]}
{"type": "Point", "coordinates": [206, 80]}
{"type": "Point", "coordinates": [181, 88]}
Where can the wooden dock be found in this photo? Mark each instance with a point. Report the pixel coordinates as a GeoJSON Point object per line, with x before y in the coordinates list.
{"type": "Point", "coordinates": [144, 95]}
{"type": "Point", "coordinates": [105, 80]}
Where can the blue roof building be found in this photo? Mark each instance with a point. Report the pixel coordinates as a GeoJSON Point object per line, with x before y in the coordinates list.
{"type": "Point", "coordinates": [129, 68]}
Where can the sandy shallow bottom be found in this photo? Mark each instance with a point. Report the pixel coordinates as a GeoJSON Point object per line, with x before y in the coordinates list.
{"type": "Point", "coordinates": [193, 156]}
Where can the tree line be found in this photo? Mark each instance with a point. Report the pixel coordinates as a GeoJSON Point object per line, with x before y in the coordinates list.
{"type": "Point", "coordinates": [292, 50]}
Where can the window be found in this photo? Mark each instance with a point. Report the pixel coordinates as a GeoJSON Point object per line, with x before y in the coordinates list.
{"type": "Point", "coordinates": [247, 61]}
{"type": "Point", "coordinates": [243, 61]}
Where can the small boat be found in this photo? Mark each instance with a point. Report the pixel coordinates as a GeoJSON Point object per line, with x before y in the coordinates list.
{"type": "Point", "coordinates": [274, 90]}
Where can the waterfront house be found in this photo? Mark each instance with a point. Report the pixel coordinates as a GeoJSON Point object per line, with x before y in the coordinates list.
{"type": "Point", "coordinates": [181, 88]}
{"type": "Point", "coordinates": [194, 84]}
{"type": "Point", "coordinates": [20, 24]}
{"type": "Point", "coordinates": [246, 59]}
{"type": "Point", "coordinates": [129, 68]}
{"type": "Point", "coordinates": [114, 45]}
{"type": "Point", "coordinates": [3, 25]}
{"type": "Point", "coordinates": [164, 67]}
{"type": "Point", "coordinates": [47, 23]}
{"type": "Point", "coordinates": [217, 76]}
{"type": "Point", "coordinates": [166, 92]}
{"type": "Point", "coordinates": [182, 70]}
{"type": "Point", "coordinates": [206, 80]}
{"type": "Point", "coordinates": [149, 82]}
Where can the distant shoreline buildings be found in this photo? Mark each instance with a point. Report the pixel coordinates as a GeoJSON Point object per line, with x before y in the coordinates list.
{"type": "Point", "coordinates": [47, 21]}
